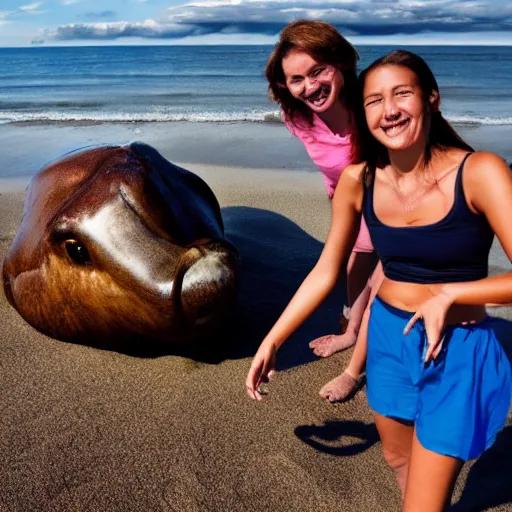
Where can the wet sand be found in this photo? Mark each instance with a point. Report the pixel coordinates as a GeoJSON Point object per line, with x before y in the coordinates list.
{"type": "Point", "coordinates": [94, 430]}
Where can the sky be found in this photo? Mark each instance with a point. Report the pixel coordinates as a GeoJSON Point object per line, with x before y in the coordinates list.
{"type": "Point", "coordinates": [138, 22]}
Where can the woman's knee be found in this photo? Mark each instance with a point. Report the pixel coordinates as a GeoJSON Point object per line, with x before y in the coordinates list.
{"type": "Point", "coordinates": [397, 459]}
{"type": "Point", "coordinates": [396, 437]}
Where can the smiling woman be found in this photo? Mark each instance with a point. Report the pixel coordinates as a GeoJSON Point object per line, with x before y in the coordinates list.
{"type": "Point", "coordinates": [438, 379]}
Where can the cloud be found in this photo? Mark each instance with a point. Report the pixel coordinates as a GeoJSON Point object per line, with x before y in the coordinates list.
{"type": "Point", "coordinates": [31, 7]}
{"type": "Point", "coordinates": [146, 29]}
{"type": "Point", "coordinates": [22, 10]}
{"type": "Point", "coordinates": [361, 17]}
{"type": "Point", "coordinates": [70, 2]}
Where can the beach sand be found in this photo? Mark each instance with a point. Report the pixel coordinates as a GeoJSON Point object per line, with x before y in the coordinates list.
{"type": "Point", "coordinates": [83, 429]}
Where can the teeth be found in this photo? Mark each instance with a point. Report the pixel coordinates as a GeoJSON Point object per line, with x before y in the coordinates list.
{"type": "Point", "coordinates": [319, 100]}
{"type": "Point", "coordinates": [319, 96]}
{"type": "Point", "coordinates": [395, 127]}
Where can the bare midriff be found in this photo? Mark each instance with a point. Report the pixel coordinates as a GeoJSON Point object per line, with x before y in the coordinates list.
{"type": "Point", "coordinates": [410, 296]}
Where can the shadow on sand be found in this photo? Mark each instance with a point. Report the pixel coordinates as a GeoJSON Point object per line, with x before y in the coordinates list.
{"type": "Point", "coordinates": [275, 257]}
{"type": "Point", "coordinates": [489, 483]}
{"type": "Point", "coordinates": [331, 437]}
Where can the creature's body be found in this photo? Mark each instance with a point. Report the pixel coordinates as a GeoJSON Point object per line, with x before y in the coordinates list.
{"type": "Point", "coordinates": [117, 243]}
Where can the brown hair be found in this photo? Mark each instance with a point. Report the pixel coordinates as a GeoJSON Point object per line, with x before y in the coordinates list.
{"type": "Point", "coordinates": [327, 46]}
{"type": "Point", "coordinates": [440, 134]}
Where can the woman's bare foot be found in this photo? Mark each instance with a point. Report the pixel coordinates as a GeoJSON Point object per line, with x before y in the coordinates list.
{"type": "Point", "coordinates": [326, 346]}
{"type": "Point", "coordinates": [341, 387]}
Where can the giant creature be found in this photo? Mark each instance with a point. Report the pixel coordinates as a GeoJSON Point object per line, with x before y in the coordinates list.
{"type": "Point", "coordinates": [116, 242]}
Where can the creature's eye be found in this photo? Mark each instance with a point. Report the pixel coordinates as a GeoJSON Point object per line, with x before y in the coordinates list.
{"type": "Point", "coordinates": [77, 252]}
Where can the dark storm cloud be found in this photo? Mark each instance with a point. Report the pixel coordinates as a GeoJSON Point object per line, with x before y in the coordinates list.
{"type": "Point", "coordinates": [364, 17]}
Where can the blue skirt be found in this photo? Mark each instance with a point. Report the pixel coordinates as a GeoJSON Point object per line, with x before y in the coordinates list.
{"type": "Point", "coordinates": [459, 402]}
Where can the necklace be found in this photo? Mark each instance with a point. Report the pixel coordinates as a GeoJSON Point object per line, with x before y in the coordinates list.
{"type": "Point", "coordinates": [410, 203]}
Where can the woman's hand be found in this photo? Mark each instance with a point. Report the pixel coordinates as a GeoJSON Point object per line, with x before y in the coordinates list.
{"type": "Point", "coordinates": [433, 312]}
{"type": "Point", "coordinates": [262, 368]}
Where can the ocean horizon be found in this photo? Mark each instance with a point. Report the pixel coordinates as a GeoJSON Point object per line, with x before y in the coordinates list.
{"type": "Point", "coordinates": [210, 83]}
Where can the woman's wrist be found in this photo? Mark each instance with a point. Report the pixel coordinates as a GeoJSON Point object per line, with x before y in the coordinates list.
{"type": "Point", "coordinates": [449, 292]}
{"type": "Point", "coordinates": [271, 343]}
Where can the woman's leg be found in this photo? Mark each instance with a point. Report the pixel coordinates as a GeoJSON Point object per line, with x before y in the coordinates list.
{"type": "Point", "coordinates": [359, 268]}
{"type": "Point", "coordinates": [430, 481]}
{"type": "Point", "coordinates": [341, 387]}
{"type": "Point", "coordinates": [397, 440]}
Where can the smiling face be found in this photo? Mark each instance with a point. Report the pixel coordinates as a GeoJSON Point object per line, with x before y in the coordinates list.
{"type": "Point", "coordinates": [316, 84]}
{"type": "Point", "coordinates": [395, 107]}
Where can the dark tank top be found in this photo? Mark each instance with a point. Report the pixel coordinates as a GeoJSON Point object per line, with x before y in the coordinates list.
{"type": "Point", "coordinates": [454, 249]}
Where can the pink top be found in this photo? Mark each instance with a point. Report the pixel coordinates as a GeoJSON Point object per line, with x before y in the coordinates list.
{"type": "Point", "coordinates": [331, 153]}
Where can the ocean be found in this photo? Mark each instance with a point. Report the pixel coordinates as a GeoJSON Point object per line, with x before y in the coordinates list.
{"type": "Point", "coordinates": [214, 83]}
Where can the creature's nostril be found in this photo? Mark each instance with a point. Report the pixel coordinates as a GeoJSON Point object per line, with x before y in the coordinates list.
{"type": "Point", "coordinates": [77, 252]}
{"type": "Point", "coordinates": [203, 315]}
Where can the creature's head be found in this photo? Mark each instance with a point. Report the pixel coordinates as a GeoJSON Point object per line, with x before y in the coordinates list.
{"type": "Point", "coordinates": [117, 242]}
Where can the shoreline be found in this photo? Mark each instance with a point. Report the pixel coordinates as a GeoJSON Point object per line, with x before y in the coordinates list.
{"type": "Point", "coordinates": [227, 144]}
{"type": "Point", "coordinates": [269, 118]}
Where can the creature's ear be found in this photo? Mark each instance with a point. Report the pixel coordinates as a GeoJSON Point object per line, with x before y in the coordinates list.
{"type": "Point", "coordinates": [435, 101]}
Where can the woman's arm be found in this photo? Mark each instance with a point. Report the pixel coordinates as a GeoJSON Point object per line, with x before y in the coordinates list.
{"type": "Point", "coordinates": [346, 210]}
{"type": "Point", "coordinates": [488, 186]}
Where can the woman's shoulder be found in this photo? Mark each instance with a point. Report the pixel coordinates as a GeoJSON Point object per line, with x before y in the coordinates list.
{"type": "Point", "coordinates": [350, 185]}
{"type": "Point", "coordinates": [476, 165]}
{"type": "Point", "coordinates": [486, 178]}
{"type": "Point", "coordinates": [482, 166]}
{"type": "Point", "coordinates": [354, 173]}
{"type": "Point", "coordinates": [481, 159]}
